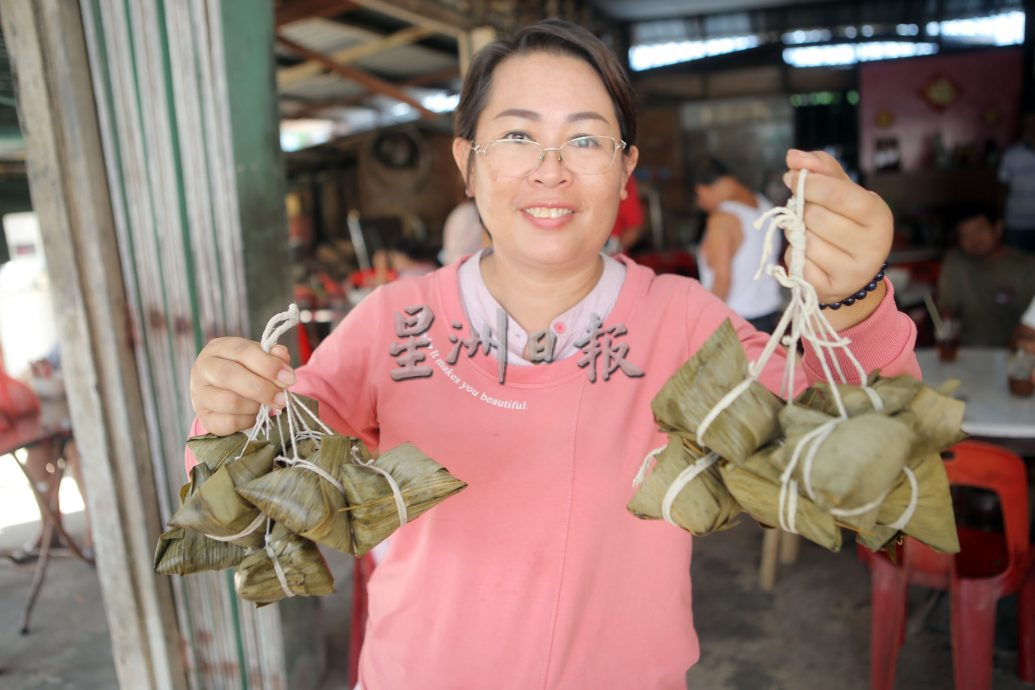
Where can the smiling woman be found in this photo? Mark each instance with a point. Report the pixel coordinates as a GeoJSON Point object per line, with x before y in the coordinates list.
{"type": "Point", "coordinates": [536, 576]}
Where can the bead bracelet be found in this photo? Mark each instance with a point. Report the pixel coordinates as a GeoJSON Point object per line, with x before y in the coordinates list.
{"type": "Point", "coordinates": [849, 301]}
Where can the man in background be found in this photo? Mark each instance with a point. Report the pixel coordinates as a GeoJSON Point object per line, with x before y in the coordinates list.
{"type": "Point", "coordinates": [984, 283]}
{"type": "Point", "coordinates": [731, 248]}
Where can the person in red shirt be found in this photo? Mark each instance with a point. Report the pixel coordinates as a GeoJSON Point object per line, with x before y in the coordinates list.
{"type": "Point", "coordinates": [629, 224]}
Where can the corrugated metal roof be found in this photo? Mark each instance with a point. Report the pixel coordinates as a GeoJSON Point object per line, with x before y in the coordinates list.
{"type": "Point", "coordinates": [396, 65]}
{"type": "Point", "coordinates": [324, 35]}
{"type": "Point", "coordinates": [407, 62]}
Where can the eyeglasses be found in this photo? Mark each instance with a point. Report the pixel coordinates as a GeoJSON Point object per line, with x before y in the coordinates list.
{"type": "Point", "coordinates": [589, 155]}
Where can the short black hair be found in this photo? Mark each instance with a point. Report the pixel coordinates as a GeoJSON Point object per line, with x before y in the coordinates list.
{"type": "Point", "coordinates": [414, 249]}
{"type": "Point", "coordinates": [554, 37]}
{"type": "Point", "coordinates": [965, 212]}
{"type": "Point", "coordinates": [707, 169]}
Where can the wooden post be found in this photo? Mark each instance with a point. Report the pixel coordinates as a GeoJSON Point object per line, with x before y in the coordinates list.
{"type": "Point", "coordinates": [471, 42]}
{"type": "Point", "coordinates": [70, 194]}
{"type": "Point", "coordinates": [770, 551]}
{"type": "Point", "coordinates": [155, 169]}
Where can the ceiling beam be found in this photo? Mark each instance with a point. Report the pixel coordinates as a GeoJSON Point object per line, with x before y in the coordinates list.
{"type": "Point", "coordinates": [310, 108]}
{"type": "Point", "coordinates": [424, 13]}
{"type": "Point", "coordinates": [286, 76]}
{"type": "Point", "coordinates": [367, 80]}
{"type": "Point", "coordinates": [288, 12]}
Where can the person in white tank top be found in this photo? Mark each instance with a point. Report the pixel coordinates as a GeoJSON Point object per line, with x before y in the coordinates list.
{"type": "Point", "coordinates": [731, 247]}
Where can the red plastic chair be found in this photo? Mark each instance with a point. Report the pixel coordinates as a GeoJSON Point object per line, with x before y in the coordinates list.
{"type": "Point", "coordinates": [989, 566]}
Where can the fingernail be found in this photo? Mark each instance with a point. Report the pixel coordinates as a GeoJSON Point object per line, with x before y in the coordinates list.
{"type": "Point", "coordinates": [279, 400]}
{"type": "Point", "coordinates": [799, 151]}
{"type": "Point", "coordinates": [286, 376]}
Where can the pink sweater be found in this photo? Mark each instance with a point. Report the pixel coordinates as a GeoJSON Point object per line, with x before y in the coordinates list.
{"type": "Point", "coordinates": [535, 576]}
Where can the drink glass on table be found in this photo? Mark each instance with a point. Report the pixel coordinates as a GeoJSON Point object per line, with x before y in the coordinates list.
{"type": "Point", "coordinates": [947, 337]}
{"type": "Point", "coordinates": [1019, 370]}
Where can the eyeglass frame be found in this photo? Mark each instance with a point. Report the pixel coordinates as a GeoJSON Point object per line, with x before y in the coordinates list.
{"type": "Point", "coordinates": [619, 144]}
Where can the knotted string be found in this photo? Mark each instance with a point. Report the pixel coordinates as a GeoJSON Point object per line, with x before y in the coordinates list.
{"type": "Point", "coordinates": [400, 504]}
{"type": "Point", "coordinates": [281, 577]}
{"type": "Point", "coordinates": [299, 428]}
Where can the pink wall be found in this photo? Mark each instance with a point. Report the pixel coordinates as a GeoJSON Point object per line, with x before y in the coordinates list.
{"type": "Point", "coordinates": [987, 81]}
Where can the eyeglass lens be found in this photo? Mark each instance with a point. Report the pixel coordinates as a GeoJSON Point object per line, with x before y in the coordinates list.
{"type": "Point", "coordinates": [519, 157]}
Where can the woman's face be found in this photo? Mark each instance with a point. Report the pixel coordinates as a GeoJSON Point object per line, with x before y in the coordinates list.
{"type": "Point", "coordinates": [551, 218]}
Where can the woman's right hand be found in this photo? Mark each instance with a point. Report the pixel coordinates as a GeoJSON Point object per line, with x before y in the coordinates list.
{"type": "Point", "coordinates": [232, 377]}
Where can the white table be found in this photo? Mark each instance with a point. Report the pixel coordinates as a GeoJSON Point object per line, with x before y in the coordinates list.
{"type": "Point", "coordinates": [991, 411]}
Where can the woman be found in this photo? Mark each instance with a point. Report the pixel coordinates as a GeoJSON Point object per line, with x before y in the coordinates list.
{"type": "Point", "coordinates": [535, 576]}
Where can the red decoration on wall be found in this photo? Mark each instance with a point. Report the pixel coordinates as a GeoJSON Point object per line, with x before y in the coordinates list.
{"type": "Point", "coordinates": [941, 92]}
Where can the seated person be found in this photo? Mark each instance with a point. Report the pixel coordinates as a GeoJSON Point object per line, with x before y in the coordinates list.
{"type": "Point", "coordinates": [984, 283]}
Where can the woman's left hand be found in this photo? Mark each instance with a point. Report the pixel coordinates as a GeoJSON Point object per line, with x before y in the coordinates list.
{"type": "Point", "coordinates": [849, 232]}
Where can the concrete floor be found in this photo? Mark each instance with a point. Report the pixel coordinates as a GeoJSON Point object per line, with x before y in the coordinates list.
{"type": "Point", "coordinates": [68, 643]}
{"type": "Point", "coordinates": [811, 633]}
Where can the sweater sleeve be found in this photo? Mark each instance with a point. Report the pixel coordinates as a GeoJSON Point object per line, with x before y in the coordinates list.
{"type": "Point", "coordinates": [340, 371]}
{"type": "Point", "coordinates": [883, 342]}
{"type": "Point", "coordinates": [338, 376]}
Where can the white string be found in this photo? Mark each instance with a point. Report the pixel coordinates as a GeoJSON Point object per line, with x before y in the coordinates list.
{"type": "Point", "coordinates": [281, 577]}
{"type": "Point", "coordinates": [277, 326]}
{"type": "Point", "coordinates": [279, 571]}
{"type": "Point", "coordinates": [645, 466]}
{"type": "Point", "coordinates": [788, 508]}
{"type": "Point", "coordinates": [400, 504]}
{"type": "Point", "coordinates": [326, 429]}
{"type": "Point", "coordinates": [680, 482]}
{"type": "Point", "coordinates": [254, 525]}
{"type": "Point", "coordinates": [315, 469]}
{"type": "Point", "coordinates": [907, 515]}
{"type": "Point", "coordinates": [720, 407]}
{"type": "Point", "coordinates": [814, 440]}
